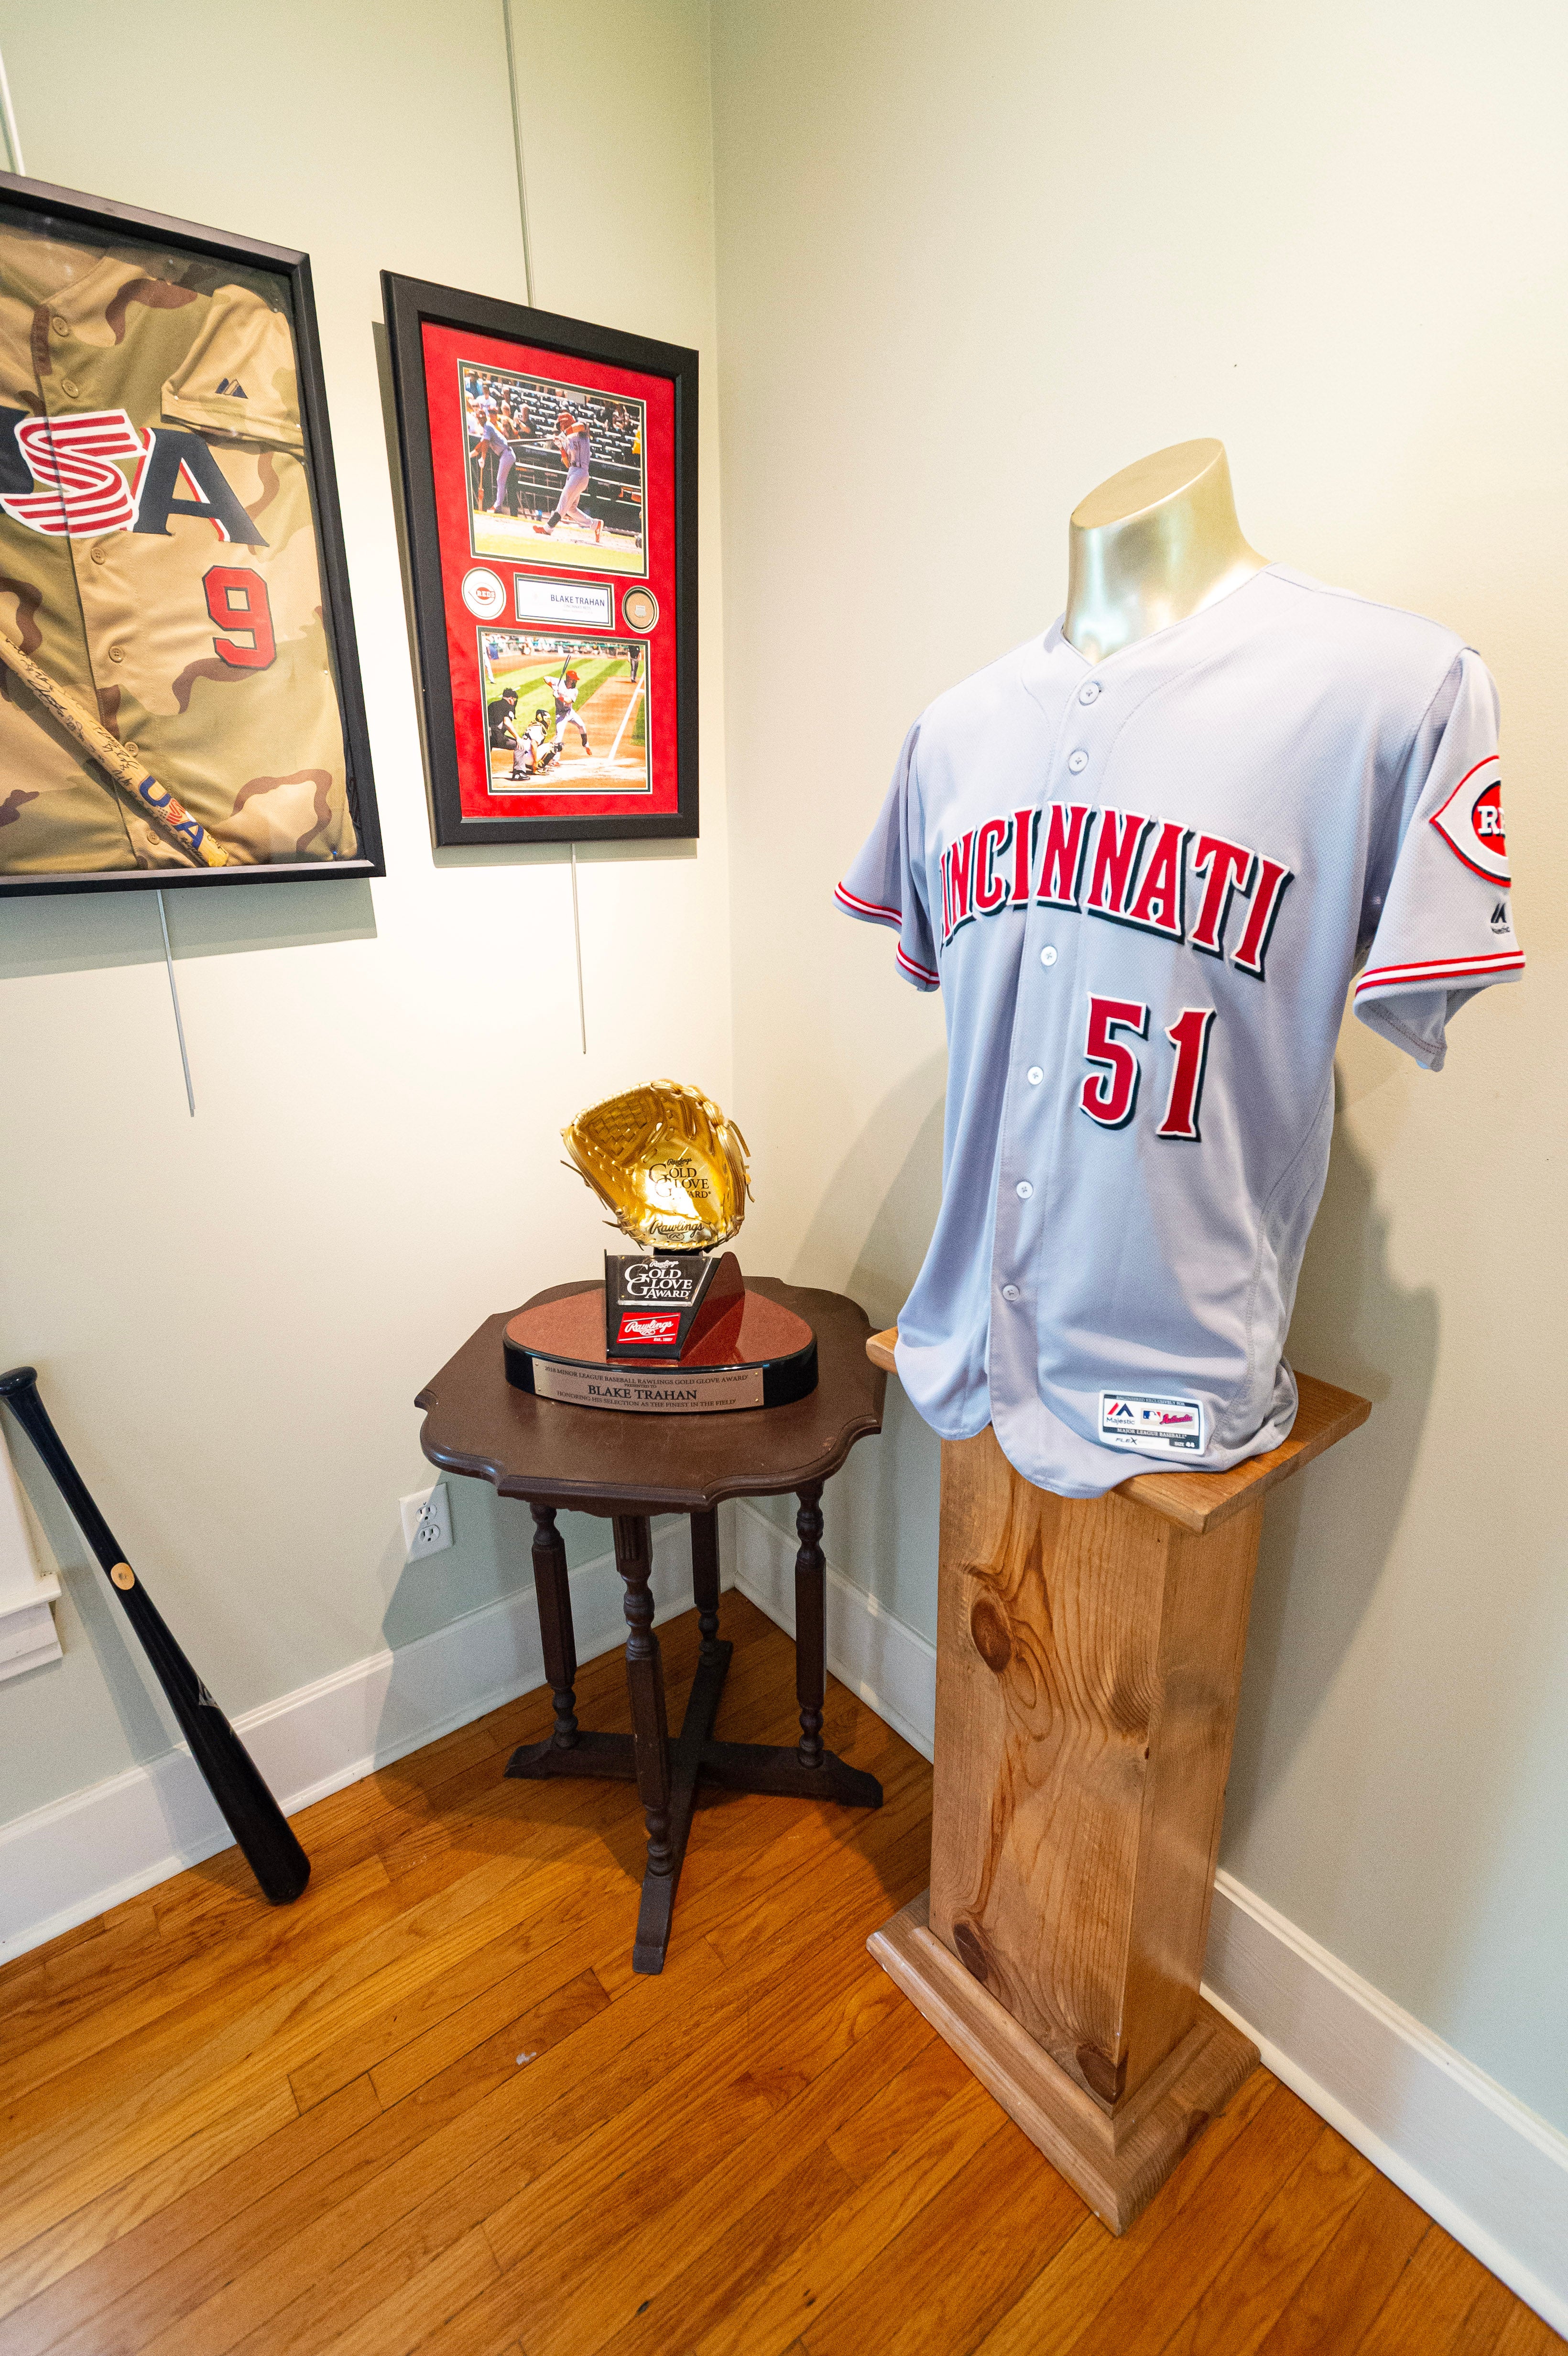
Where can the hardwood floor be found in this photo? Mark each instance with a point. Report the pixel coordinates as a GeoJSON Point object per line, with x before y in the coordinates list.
{"type": "Point", "coordinates": [432, 2107]}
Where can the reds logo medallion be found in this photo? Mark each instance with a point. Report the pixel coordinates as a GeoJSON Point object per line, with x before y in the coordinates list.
{"type": "Point", "coordinates": [1471, 821]}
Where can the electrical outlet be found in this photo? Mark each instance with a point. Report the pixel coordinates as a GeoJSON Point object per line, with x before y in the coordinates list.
{"type": "Point", "coordinates": [427, 1522]}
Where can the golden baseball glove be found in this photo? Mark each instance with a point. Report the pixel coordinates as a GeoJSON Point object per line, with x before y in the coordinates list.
{"type": "Point", "coordinates": [665, 1164]}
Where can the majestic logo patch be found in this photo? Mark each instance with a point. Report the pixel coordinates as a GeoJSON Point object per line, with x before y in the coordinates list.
{"type": "Point", "coordinates": [1471, 821]}
{"type": "Point", "coordinates": [1500, 918]}
{"type": "Point", "coordinates": [1158, 1426]}
{"type": "Point", "coordinates": [648, 1328]}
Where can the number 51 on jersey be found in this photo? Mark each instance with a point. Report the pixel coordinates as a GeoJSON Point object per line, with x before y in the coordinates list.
{"type": "Point", "coordinates": [1110, 1093]}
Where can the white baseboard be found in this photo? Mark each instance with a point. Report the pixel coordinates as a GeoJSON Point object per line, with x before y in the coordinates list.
{"type": "Point", "coordinates": [67, 1862]}
{"type": "Point", "coordinates": [891, 1668]}
{"type": "Point", "coordinates": [29, 1637]}
{"type": "Point", "coordinates": [1469, 2153]}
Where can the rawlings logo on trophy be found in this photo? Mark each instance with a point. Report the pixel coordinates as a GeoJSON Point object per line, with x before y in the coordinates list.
{"type": "Point", "coordinates": [681, 1333]}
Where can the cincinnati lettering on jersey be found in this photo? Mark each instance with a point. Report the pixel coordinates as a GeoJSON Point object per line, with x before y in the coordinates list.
{"type": "Point", "coordinates": [64, 476]}
{"type": "Point", "coordinates": [1148, 873]}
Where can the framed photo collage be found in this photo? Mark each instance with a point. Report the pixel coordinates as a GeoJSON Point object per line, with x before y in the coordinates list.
{"type": "Point", "coordinates": [549, 481]}
{"type": "Point", "coordinates": [180, 697]}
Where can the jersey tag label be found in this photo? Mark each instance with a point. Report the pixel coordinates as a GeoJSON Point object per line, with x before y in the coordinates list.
{"type": "Point", "coordinates": [1158, 1426]}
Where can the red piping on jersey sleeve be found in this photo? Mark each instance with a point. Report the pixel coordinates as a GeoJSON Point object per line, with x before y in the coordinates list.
{"type": "Point", "coordinates": [871, 910]}
{"type": "Point", "coordinates": [1386, 977]}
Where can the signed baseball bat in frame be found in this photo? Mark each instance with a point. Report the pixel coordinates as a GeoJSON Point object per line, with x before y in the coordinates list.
{"type": "Point", "coordinates": [124, 772]}
{"type": "Point", "coordinates": [254, 1817]}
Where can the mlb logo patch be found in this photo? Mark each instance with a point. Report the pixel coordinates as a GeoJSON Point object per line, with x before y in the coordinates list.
{"type": "Point", "coordinates": [650, 1327]}
{"type": "Point", "coordinates": [1152, 1422]}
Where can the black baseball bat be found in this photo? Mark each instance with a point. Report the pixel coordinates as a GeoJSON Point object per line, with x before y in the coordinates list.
{"type": "Point", "coordinates": [253, 1816]}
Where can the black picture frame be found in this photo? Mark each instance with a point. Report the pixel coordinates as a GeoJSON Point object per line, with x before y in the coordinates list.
{"type": "Point", "coordinates": [112, 220]}
{"type": "Point", "coordinates": [411, 304]}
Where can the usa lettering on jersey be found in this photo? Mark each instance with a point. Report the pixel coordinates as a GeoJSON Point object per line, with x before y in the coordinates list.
{"type": "Point", "coordinates": [64, 476]}
{"type": "Point", "coordinates": [1145, 872]}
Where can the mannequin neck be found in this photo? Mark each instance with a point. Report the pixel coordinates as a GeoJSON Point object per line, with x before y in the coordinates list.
{"type": "Point", "coordinates": [1157, 542]}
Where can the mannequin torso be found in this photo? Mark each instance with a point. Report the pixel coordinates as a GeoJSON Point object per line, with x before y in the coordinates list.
{"type": "Point", "coordinates": [1155, 543]}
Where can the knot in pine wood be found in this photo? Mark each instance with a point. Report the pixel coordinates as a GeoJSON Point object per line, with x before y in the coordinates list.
{"type": "Point", "coordinates": [1101, 2074]}
{"type": "Point", "coordinates": [988, 1629]}
{"type": "Point", "coordinates": [972, 1951]}
{"type": "Point", "coordinates": [1128, 1707]}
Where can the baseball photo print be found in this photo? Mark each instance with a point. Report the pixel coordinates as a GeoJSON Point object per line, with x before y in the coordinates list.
{"type": "Point", "coordinates": [550, 495]}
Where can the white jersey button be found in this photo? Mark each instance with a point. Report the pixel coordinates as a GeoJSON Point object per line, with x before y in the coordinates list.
{"type": "Point", "coordinates": [1023, 1190]}
{"type": "Point", "coordinates": [1089, 694]}
{"type": "Point", "coordinates": [1077, 761]}
{"type": "Point", "coordinates": [1035, 1075]}
{"type": "Point", "coordinates": [1010, 1293]}
{"type": "Point", "coordinates": [1048, 955]}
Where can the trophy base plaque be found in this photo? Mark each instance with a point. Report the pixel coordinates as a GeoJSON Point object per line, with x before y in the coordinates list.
{"type": "Point", "coordinates": [746, 1352]}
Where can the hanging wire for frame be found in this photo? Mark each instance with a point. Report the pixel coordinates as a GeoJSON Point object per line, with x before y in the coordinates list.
{"type": "Point", "coordinates": [174, 993]}
{"type": "Point", "coordinates": [8, 112]}
{"type": "Point", "coordinates": [14, 148]}
{"type": "Point", "coordinates": [516, 149]}
{"type": "Point", "coordinates": [529, 291]}
{"type": "Point", "coordinates": [577, 936]}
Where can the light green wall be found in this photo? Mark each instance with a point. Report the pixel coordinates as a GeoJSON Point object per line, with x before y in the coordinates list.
{"type": "Point", "coordinates": [232, 1314]}
{"type": "Point", "coordinates": [1334, 236]}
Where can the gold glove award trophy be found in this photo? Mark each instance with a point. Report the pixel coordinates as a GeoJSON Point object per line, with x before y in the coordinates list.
{"type": "Point", "coordinates": [670, 1331]}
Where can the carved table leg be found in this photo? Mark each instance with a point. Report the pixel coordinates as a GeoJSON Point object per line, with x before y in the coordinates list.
{"type": "Point", "coordinates": [567, 1752]}
{"type": "Point", "coordinates": [705, 1578]}
{"type": "Point", "coordinates": [644, 1684]}
{"type": "Point", "coordinates": [552, 1592]}
{"type": "Point", "coordinates": [667, 1774]}
{"type": "Point", "coordinates": [810, 1641]}
{"type": "Point", "coordinates": [650, 1734]}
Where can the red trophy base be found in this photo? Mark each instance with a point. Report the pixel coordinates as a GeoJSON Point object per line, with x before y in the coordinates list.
{"type": "Point", "coordinates": [744, 1351]}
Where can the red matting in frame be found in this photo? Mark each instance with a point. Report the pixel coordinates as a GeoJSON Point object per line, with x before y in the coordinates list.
{"type": "Point", "coordinates": [449, 354]}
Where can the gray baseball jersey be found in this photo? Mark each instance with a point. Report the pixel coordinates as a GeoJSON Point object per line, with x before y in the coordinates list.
{"type": "Point", "coordinates": [1143, 886]}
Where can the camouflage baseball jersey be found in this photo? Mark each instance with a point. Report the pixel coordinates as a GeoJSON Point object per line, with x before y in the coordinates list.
{"type": "Point", "coordinates": [158, 560]}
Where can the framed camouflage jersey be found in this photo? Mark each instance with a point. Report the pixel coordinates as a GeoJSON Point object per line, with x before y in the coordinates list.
{"type": "Point", "coordinates": [179, 691]}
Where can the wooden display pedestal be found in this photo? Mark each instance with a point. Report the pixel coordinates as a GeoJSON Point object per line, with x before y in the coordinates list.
{"type": "Point", "coordinates": [1089, 1662]}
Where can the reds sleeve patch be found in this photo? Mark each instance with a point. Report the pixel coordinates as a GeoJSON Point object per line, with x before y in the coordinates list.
{"type": "Point", "coordinates": [1471, 821]}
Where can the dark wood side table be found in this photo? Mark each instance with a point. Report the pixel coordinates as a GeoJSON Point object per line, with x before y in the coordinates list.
{"type": "Point", "coordinates": [627, 1467]}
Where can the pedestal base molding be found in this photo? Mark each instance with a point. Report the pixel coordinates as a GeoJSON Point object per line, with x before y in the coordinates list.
{"type": "Point", "coordinates": [1116, 2156]}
